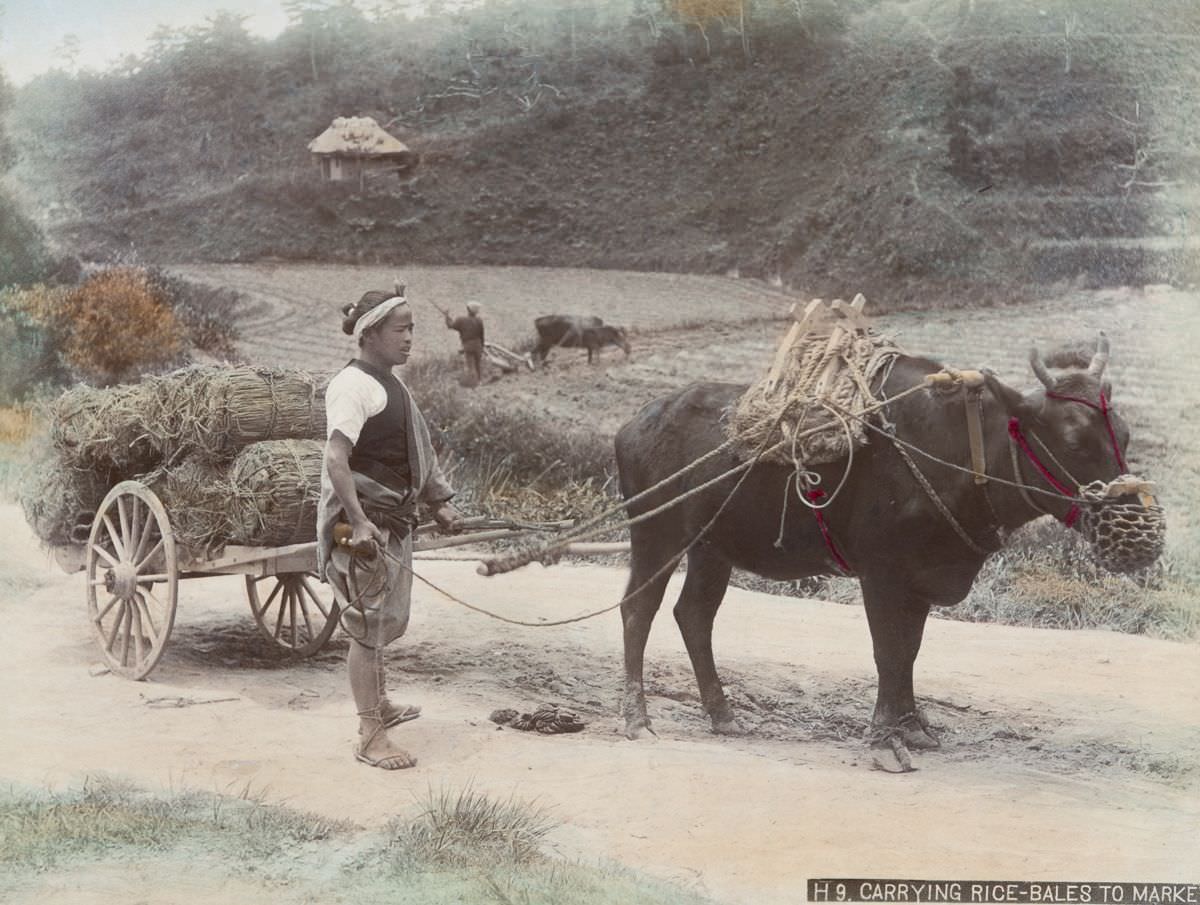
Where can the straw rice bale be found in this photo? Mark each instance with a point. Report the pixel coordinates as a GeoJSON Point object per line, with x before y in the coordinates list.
{"type": "Point", "coordinates": [59, 500]}
{"type": "Point", "coordinates": [206, 412]}
{"type": "Point", "coordinates": [101, 429]}
{"type": "Point", "coordinates": [277, 485]}
{"type": "Point", "coordinates": [266, 497]}
{"type": "Point", "coordinates": [197, 496]}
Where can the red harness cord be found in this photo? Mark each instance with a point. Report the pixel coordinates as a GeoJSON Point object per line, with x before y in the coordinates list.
{"type": "Point", "coordinates": [1014, 431]}
{"type": "Point", "coordinates": [1104, 410]}
{"type": "Point", "coordinates": [815, 496]}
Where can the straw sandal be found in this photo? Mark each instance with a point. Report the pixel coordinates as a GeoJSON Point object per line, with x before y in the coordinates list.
{"type": "Point", "coordinates": [393, 761]}
{"type": "Point", "coordinates": [403, 715]}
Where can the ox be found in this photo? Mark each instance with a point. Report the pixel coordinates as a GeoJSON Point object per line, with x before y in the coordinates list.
{"type": "Point", "coordinates": [576, 331]}
{"type": "Point", "coordinates": [883, 526]}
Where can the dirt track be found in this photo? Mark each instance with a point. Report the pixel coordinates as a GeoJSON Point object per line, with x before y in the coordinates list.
{"type": "Point", "coordinates": [1067, 755]}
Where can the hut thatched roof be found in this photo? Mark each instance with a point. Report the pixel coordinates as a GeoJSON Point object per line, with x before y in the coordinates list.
{"type": "Point", "coordinates": [357, 136]}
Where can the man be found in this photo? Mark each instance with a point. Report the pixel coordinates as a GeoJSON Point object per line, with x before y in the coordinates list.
{"type": "Point", "coordinates": [379, 465]}
{"type": "Point", "coordinates": [470, 334]}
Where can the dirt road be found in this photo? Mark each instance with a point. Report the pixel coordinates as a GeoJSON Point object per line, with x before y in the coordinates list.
{"type": "Point", "coordinates": [1067, 755]}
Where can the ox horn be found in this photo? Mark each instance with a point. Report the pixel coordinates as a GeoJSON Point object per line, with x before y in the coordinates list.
{"type": "Point", "coordinates": [1100, 359]}
{"type": "Point", "coordinates": [1039, 368]}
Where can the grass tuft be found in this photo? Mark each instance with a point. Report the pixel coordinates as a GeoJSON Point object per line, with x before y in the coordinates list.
{"type": "Point", "coordinates": [467, 828]}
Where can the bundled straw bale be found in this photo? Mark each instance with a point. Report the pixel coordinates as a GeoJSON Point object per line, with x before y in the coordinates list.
{"type": "Point", "coordinates": [266, 497]}
{"type": "Point", "coordinates": [99, 429]}
{"type": "Point", "coordinates": [277, 485]}
{"type": "Point", "coordinates": [197, 496]}
{"type": "Point", "coordinates": [214, 412]}
{"type": "Point", "coordinates": [206, 412]}
{"type": "Point", "coordinates": [60, 501]}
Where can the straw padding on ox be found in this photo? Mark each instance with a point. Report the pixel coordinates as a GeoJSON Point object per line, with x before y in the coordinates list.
{"type": "Point", "coordinates": [819, 363]}
{"type": "Point", "coordinates": [205, 412]}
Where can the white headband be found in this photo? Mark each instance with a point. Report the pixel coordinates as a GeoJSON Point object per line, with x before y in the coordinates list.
{"type": "Point", "coordinates": [376, 314]}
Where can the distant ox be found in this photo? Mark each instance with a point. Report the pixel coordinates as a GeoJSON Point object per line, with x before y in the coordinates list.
{"type": "Point", "coordinates": [576, 331]}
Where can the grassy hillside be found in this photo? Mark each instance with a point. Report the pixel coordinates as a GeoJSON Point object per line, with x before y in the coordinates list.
{"type": "Point", "coordinates": [902, 148]}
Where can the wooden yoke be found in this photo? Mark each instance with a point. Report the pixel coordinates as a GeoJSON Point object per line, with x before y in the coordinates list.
{"type": "Point", "coordinates": [851, 316]}
{"type": "Point", "coordinates": [804, 324]}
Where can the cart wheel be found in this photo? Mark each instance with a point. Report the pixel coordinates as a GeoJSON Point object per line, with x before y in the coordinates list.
{"type": "Point", "coordinates": [293, 614]}
{"type": "Point", "coordinates": [130, 549]}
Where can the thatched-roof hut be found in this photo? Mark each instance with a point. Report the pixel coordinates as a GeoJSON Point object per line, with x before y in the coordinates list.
{"type": "Point", "coordinates": [354, 147]}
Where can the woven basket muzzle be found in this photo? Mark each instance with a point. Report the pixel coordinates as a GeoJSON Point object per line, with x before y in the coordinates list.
{"type": "Point", "coordinates": [1127, 531]}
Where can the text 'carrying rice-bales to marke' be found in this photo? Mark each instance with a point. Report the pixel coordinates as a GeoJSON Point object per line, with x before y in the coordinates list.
{"type": "Point", "coordinates": [235, 454]}
{"type": "Point", "coordinates": [801, 412]}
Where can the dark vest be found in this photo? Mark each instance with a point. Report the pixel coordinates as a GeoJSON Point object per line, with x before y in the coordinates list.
{"type": "Point", "coordinates": [382, 451]}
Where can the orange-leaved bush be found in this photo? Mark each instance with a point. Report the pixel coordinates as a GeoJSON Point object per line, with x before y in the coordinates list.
{"type": "Point", "coordinates": [118, 326]}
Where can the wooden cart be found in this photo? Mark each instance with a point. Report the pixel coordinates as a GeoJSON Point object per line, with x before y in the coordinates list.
{"type": "Point", "coordinates": [134, 565]}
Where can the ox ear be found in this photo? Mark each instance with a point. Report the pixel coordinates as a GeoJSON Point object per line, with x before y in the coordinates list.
{"type": "Point", "coordinates": [1012, 400]}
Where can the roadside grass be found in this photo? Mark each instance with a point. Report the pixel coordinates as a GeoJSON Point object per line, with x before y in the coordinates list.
{"type": "Point", "coordinates": [507, 463]}
{"type": "Point", "coordinates": [461, 846]}
{"type": "Point", "coordinates": [18, 425]}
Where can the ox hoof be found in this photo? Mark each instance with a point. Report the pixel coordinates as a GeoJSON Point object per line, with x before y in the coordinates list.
{"type": "Point", "coordinates": [916, 732]}
{"type": "Point", "coordinates": [728, 727]}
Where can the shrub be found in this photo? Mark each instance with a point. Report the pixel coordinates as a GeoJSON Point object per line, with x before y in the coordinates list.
{"type": "Point", "coordinates": [118, 326]}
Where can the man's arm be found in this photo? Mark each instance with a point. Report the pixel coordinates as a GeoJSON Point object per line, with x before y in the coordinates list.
{"type": "Point", "coordinates": [337, 463]}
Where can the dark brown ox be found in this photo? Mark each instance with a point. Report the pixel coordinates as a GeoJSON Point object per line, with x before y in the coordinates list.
{"type": "Point", "coordinates": [905, 553]}
{"type": "Point", "coordinates": [576, 331]}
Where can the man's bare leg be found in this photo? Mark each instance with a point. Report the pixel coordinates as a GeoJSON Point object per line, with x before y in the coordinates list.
{"type": "Point", "coordinates": [370, 698]}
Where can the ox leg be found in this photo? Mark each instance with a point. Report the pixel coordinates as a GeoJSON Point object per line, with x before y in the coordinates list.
{"type": "Point", "coordinates": [637, 614]}
{"type": "Point", "coordinates": [897, 622]}
{"type": "Point", "coordinates": [703, 590]}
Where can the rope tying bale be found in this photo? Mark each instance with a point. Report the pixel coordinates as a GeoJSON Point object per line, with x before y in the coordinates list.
{"type": "Point", "coordinates": [207, 412]}
{"type": "Point", "coordinates": [1127, 533]}
{"type": "Point", "coordinates": [825, 363]}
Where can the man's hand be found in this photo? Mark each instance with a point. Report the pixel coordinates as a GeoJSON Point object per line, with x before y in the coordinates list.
{"type": "Point", "coordinates": [448, 518]}
{"type": "Point", "coordinates": [365, 536]}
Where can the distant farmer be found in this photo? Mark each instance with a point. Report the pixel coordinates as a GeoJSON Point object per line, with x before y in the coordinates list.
{"type": "Point", "coordinates": [379, 464]}
{"type": "Point", "coordinates": [470, 334]}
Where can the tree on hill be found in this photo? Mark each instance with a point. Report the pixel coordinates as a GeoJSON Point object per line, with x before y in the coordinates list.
{"type": "Point", "coordinates": [23, 255]}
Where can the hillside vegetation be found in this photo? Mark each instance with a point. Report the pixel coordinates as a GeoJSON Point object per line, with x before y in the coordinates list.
{"type": "Point", "coordinates": [915, 150]}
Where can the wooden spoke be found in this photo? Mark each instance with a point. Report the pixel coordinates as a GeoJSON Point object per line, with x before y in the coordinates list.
{"type": "Point", "coordinates": [300, 595]}
{"type": "Point", "coordinates": [295, 626]}
{"type": "Point", "coordinates": [143, 537]}
{"type": "Point", "coordinates": [137, 631]}
{"type": "Point", "coordinates": [258, 614]}
{"type": "Point", "coordinates": [316, 598]}
{"type": "Point", "coordinates": [105, 555]}
{"type": "Point", "coordinates": [123, 521]}
{"type": "Point", "coordinates": [141, 563]}
{"type": "Point", "coordinates": [112, 601]}
{"type": "Point", "coordinates": [112, 635]}
{"type": "Point", "coordinates": [118, 547]}
{"type": "Point", "coordinates": [279, 618]}
{"type": "Point", "coordinates": [292, 615]}
{"type": "Point", "coordinates": [150, 579]}
{"type": "Point", "coordinates": [145, 608]}
{"type": "Point", "coordinates": [135, 527]}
